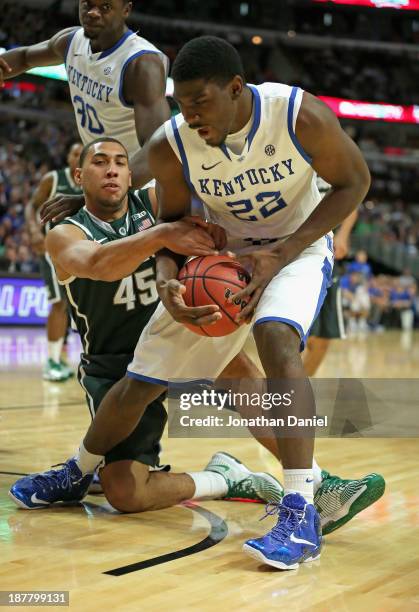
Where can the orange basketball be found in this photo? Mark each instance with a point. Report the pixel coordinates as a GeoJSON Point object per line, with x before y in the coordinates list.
{"type": "Point", "coordinates": [212, 280]}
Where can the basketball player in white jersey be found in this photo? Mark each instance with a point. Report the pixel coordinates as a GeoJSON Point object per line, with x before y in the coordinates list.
{"type": "Point", "coordinates": [117, 79]}
{"type": "Point", "coordinates": [101, 426]}
{"type": "Point", "coordinates": [259, 184]}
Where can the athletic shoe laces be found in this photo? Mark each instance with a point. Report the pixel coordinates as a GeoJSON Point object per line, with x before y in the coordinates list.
{"type": "Point", "coordinates": [62, 478]}
{"type": "Point", "coordinates": [288, 520]}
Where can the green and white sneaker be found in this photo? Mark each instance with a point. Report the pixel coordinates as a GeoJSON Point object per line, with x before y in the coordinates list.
{"type": "Point", "coordinates": [244, 485]}
{"type": "Point", "coordinates": [54, 372]}
{"type": "Point", "coordinates": [337, 501]}
{"type": "Point", "coordinates": [66, 368]}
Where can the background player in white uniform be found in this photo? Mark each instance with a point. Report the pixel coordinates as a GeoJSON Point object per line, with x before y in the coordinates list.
{"type": "Point", "coordinates": [117, 79]}
{"type": "Point", "coordinates": [56, 181]}
{"type": "Point", "coordinates": [265, 196]}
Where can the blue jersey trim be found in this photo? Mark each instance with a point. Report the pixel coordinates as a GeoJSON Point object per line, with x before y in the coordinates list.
{"type": "Point", "coordinates": [185, 165]}
{"type": "Point", "coordinates": [116, 46]}
{"type": "Point", "coordinates": [225, 150]}
{"type": "Point", "coordinates": [124, 67]}
{"type": "Point", "coordinates": [256, 119]}
{"type": "Point", "coordinates": [290, 322]}
{"type": "Point", "coordinates": [329, 241]}
{"type": "Point", "coordinates": [291, 132]}
{"type": "Point", "coordinates": [148, 379]}
{"type": "Point", "coordinates": [255, 124]}
{"type": "Point", "coordinates": [70, 40]}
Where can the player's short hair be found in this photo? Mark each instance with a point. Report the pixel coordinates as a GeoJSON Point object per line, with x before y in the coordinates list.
{"type": "Point", "coordinates": [96, 141]}
{"type": "Point", "coordinates": [209, 58]}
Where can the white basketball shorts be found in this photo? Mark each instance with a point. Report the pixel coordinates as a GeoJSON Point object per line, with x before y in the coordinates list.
{"type": "Point", "coordinates": [167, 350]}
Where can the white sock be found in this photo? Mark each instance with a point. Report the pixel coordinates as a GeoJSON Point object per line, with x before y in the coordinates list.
{"type": "Point", "coordinates": [208, 485]}
{"type": "Point", "coordinates": [86, 461]}
{"type": "Point", "coordinates": [317, 475]}
{"type": "Point", "coordinates": [299, 481]}
{"type": "Point", "coordinates": [54, 349]}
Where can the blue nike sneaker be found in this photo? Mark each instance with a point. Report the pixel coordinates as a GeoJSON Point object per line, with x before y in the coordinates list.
{"type": "Point", "coordinates": [40, 490]}
{"type": "Point", "coordinates": [295, 539]}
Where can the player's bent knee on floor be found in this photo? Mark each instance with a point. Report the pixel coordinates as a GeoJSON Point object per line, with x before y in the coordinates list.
{"type": "Point", "coordinates": [124, 485]}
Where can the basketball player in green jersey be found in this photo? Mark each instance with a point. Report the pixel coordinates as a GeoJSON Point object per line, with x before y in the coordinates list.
{"type": "Point", "coordinates": [103, 259]}
{"type": "Point", "coordinates": [57, 181]}
{"type": "Point", "coordinates": [329, 323]}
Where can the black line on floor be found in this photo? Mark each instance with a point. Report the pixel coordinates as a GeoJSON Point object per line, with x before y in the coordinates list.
{"type": "Point", "coordinates": [13, 473]}
{"type": "Point", "coordinates": [218, 532]}
{"type": "Point", "coordinates": [34, 406]}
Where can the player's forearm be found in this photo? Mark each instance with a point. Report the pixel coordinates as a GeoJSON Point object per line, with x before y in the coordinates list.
{"type": "Point", "coordinates": [17, 60]}
{"type": "Point", "coordinates": [168, 265]}
{"type": "Point", "coordinates": [121, 258]}
{"type": "Point", "coordinates": [345, 229]}
{"type": "Point", "coordinates": [31, 220]}
{"type": "Point", "coordinates": [338, 204]}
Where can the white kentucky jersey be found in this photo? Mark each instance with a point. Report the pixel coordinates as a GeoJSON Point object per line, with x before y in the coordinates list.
{"type": "Point", "coordinates": [263, 193]}
{"type": "Point", "coordinates": [96, 86]}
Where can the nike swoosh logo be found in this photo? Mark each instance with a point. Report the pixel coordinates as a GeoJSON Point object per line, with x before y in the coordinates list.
{"type": "Point", "coordinates": [299, 541]}
{"type": "Point", "coordinates": [210, 167]}
{"type": "Point", "coordinates": [101, 240]}
{"type": "Point", "coordinates": [35, 500]}
{"type": "Point", "coordinates": [222, 467]}
{"type": "Point", "coordinates": [309, 480]}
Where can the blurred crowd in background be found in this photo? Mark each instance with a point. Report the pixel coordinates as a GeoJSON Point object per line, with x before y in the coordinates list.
{"type": "Point", "coordinates": [30, 147]}
{"type": "Point", "coordinates": [377, 302]}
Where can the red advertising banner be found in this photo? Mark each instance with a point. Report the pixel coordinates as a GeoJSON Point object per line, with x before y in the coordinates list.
{"type": "Point", "coordinates": [409, 5]}
{"type": "Point", "coordinates": [372, 111]}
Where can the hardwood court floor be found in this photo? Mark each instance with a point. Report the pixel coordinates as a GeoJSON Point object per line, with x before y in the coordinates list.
{"type": "Point", "coordinates": [370, 564]}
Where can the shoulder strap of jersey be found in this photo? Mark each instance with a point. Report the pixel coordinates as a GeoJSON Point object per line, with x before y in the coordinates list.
{"type": "Point", "coordinates": [73, 221]}
{"type": "Point", "coordinates": [70, 40]}
{"type": "Point", "coordinates": [53, 191]}
{"type": "Point", "coordinates": [142, 195]}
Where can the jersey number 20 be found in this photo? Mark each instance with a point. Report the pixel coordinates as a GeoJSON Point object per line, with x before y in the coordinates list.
{"type": "Point", "coordinates": [146, 287]}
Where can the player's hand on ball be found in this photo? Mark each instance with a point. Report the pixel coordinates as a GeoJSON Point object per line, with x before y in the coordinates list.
{"type": "Point", "coordinates": [189, 236]}
{"type": "Point", "coordinates": [4, 70]}
{"type": "Point", "coordinates": [263, 266]}
{"type": "Point", "coordinates": [60, 207]}
{"type": "Point", "coordinates": [218, 234]}
{"type": "Point", "coordinates": [171, 294]}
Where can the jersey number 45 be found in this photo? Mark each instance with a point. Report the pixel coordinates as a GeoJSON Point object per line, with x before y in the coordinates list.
{"type": "Point", "coordinates": [145, 284]}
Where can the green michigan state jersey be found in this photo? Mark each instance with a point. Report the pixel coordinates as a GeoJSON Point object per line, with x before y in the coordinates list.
{"type": "Point", "coordinates": [62, 182]}
{"type": "Point", "coordinates": [111, 315]}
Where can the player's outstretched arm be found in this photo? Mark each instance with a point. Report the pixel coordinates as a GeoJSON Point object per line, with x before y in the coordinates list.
{"type": "Point", "coordinates": [145, 88]}
{"type": "Point", "coordinates": [74, 255]}
{"type": "Point", "coordinates": [33, 224]}
{"type": "Point", "coordinates": [47, 53]}
{"type": "Point", "coordinates": [60, 207]}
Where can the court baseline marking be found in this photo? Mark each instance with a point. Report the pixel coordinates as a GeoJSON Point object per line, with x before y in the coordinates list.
{"type": "Point", "coordinates": [218, 532]}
